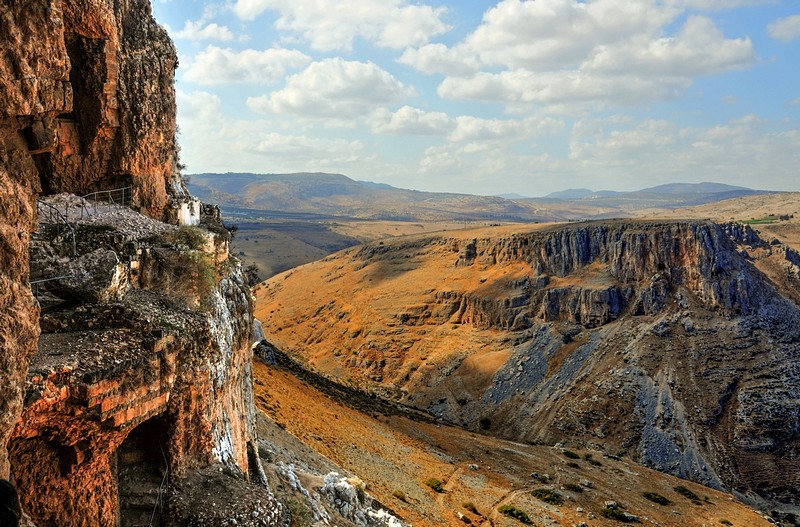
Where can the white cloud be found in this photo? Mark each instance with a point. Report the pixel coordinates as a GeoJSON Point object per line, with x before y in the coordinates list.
{"type": "Point", "coordinates": [208, 137]}
{"type": "Point", "coordinates": [700, 48]}
{"type": "Point", "coordinates": [658, 151]}
{"type": "Point", "coordinates": [785, 29]}
{"type": "Point", "coordinates": [520, 86]}
{"type": "Point", "coordinates": [200, 30]}
{"type": "Point", "coordinates": [795, 102]}
{"type": "Point", "coordinates": [471, 128]}
{"type": "Point", "coordinates": [220, 65]}
{"type": "Point", "coordinates": [718, 5]}
{"type": "Point", "coordinates": [410, 121]}
{"type": "Point", "coordinates": [333, 88]}
{"type": "Point", "coordinates": [333, 24]}
{"type": "Point", "coordinates": [555, 33]}
{"type": "Point", "coordinates": [566, 52]}
{"type": "Point", "coordinates": [438, 58]}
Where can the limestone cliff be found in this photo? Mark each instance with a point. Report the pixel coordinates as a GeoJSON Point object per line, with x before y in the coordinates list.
{"type": "Point", "coordinates": [87, 93]}
{"type": "Point", "coordinates": [143, 366]}
{"type": "Point", "coordinates": [673, 342]}
{"type": "Point", "coordinates": [142, 376]}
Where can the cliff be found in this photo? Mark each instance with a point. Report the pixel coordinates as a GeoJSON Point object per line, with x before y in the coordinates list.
{"type": "Point", "coordinates": [141, 374]}
{"type": "Point", "coordinates": [672, 342]}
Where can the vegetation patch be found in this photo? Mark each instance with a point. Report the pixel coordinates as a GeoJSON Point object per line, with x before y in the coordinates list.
{"type": "Point", "coordinates": [185, 236]}
{"type": "Point", "coordinates": [574, 487]}
{"type": "Point", "coordinates": [594, 462]}
{"type": "Point", "coordinates": [517, 514]}
{"type": "Point", "coordinates": [686, 493]}
{"type": "Point", "coordinates": [549, 496]}
{"type": "Point", "coordinates": [620, 516]}
{"type": "Point", "coordinates": [435, 484]}
{"type": "Point", "coordinates": [725, 522]}
{"type": "Point", "coordinates": [471, 507]}
{"type": "Point", "coordinates": [656, 498]}
{"type": "Point", "coordinates": [570, 454]}
{"type": "Point", "coordinates": [400, 495]}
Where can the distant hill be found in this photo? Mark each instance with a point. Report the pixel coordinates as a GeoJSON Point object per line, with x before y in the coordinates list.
{"type": "Point", "coordinates": [338, 195]}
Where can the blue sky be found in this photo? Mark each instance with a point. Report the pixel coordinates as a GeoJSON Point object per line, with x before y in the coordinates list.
{"type": "Point", "coordinates": [484, 97]}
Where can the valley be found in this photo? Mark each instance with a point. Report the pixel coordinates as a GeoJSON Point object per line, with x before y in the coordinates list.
{"type": "Point", "coordinates": [395, 456]}
{"type": "Point", "coordinates": [666, 341]}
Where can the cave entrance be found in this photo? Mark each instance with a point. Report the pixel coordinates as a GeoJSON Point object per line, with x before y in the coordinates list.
{"type": "Point", "coordinates": [143, 475]}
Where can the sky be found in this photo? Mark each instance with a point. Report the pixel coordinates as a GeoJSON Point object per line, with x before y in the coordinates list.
{"type": "Point", "coordinates": [482, 97]}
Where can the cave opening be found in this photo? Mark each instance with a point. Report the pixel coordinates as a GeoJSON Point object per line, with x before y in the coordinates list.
{"type": "Point", "coordinates": [143, 472]}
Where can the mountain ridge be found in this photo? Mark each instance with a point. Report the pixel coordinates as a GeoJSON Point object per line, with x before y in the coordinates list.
{"type": "Point", "coordinates": [339, 195]}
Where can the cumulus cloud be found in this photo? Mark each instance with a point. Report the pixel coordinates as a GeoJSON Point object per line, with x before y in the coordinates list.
{"type": "Point", "coordinates": [333, 88]}
{"type": "Point", "coordinates": [200, 30]}
{"type": "Point", "coordinates": [333, 24]}
{"type": "Point", "coordinates": [208, 137]}
{"type": "Point", "coordinates": [470, 128]}
{"type": "Point", "coordinates": [216, 65]}
{"type": "Point", "coordinates": [558, 52]}
{"type": "Point", "coordinates": [785, 29]}
{"type": "Point", "coordinates": [438, 58]}
{"type": "Point", "coordinates": [737, 152]}
{"type": "Point", "coordinates": [410, 121]}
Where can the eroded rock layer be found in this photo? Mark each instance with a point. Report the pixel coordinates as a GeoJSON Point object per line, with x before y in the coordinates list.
{"type": "Point", "coordinates": [674, 342]}
{"type": "Point", "coordinates": [142, 374]}
{"type": "Point", "coordinates": [87, 97]}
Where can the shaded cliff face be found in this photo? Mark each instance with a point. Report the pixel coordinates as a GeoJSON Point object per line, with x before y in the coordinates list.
{"type": "Point", "coordinates": [86, 102]}
{"type": "Point", "coordinates": [87, 89]}
{"type": "Point", "coordinates": [672, 342]}
{"type": "Point", "coordinates": [143, 372]}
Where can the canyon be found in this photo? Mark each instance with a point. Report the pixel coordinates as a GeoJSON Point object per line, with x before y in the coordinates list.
{"type": "Point", "coordinates": [672, 342]}
{"type": "Point", "coordinates": [127, 393]}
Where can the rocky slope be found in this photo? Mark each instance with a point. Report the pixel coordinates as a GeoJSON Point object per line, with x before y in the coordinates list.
{"type": "Point", "coordinates": [673, 342]}
{"type": "Point", "coordinates": [396, 455]}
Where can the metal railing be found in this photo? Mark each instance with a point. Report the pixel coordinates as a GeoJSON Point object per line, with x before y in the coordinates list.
{"type": "Point", "coordinates": [155, 517]}
{"type": "Point", "coordinates": [119, 196]}
{"type": "Point", "coordinates": [54, 216]}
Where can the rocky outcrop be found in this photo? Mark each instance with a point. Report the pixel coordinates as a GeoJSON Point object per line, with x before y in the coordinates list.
{"type": "Point", "coordinates": [88, 87]}
{"type": "Point", "coordinates": [130, 374]}
{"type": "Point", "coordinates": [641, 263]}
{"type": "Point", "coordinates": [86, 103]}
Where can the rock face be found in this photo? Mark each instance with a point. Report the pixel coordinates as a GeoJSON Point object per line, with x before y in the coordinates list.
{"type": "Point", "coordinates": [675, 343]}
{"type": "Point", "coordinates": [130, 378]}
{"type": "Point", "coordinates": [86, 103]}
{"type": "Point", "coordinates": [88, 89]}
{"type": "Point", "coordinates": [134, 384]}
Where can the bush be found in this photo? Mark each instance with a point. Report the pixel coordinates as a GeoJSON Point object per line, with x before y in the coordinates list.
{"type": "Point", "coordinates": [549, 496]}
{"type": "Point", "coordinates": [656, 498]}
{"type": "Point", "coordinates": [686, 493]}
{"type": "Point", "coordinates": [513, 512]}
{"type": "Point", "coordinates": [574, 487]}
{"type": "Point", "coordinates": [588, 457]}
{"type": "Point", "coordinates": [723, 521]}
{"type": "Point", "coordinates": [184, 236]}
{"type": "Point", "coordinates": [471, 507]}
{"type": "Point", "coordinates": [400, 495]}
{"type": "Point", "coordinates": [620, 516]}
{"type": "Point", "coordinates": [435, 484]}
{"type": "Point", "coordinates": [570, 454]}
